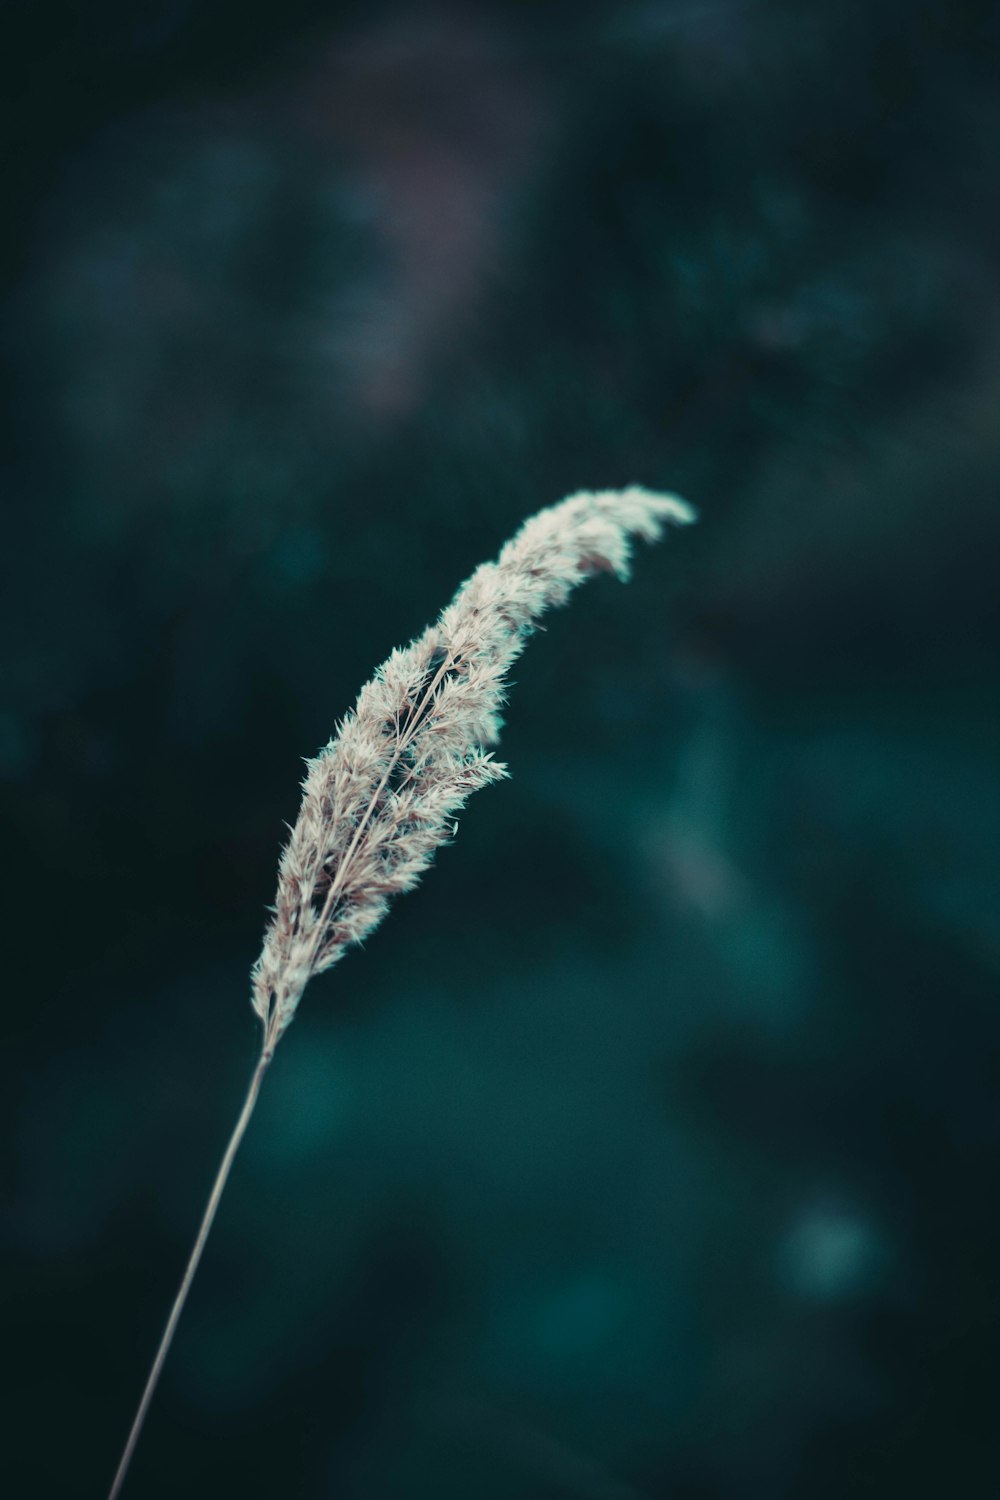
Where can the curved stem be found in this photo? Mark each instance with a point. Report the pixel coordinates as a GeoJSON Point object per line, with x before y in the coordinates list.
{"type": "Point", "coordinates": [192, 1266]}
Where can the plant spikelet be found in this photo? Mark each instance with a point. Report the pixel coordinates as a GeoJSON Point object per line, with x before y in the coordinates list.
{"type": "Point", "coordinates": [381, 797]}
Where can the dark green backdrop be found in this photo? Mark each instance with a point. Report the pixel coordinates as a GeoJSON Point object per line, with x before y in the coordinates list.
{"type": "Point", "coordinates": [650, 1150]}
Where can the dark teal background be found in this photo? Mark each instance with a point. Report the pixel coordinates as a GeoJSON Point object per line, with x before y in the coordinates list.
{"type": "Point", "coordinates": [650, 1150]}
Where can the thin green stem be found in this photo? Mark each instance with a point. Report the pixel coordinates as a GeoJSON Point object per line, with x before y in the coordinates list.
{"type": "Point", "coordinates": [192, 1266]}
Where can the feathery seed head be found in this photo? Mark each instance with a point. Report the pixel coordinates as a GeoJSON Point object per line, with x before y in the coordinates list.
{"type": "Point", "coordinates": [381, 797]}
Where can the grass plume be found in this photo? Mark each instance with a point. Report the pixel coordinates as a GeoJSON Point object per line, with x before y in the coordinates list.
{"type": "Point", "coordinates": [383, 795]}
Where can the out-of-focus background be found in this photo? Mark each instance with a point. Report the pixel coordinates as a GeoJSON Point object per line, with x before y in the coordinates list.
{"type": "Point", "coordinates": [651, 1148]}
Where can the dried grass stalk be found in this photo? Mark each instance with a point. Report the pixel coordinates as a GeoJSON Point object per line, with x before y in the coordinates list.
{"type": "Point", "coordinates": [382, 796]}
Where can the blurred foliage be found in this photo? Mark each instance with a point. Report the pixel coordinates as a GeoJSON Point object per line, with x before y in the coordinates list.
{"type": "Point", "coordinates": [649, 1149]}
